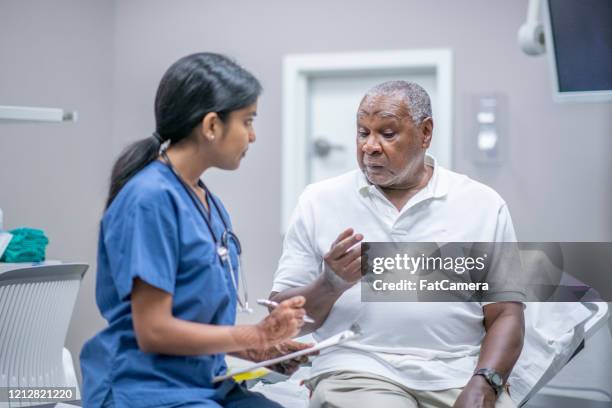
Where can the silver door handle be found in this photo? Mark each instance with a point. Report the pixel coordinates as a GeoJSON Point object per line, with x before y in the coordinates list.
{"type": "Point", "coordinates": [323, 147]}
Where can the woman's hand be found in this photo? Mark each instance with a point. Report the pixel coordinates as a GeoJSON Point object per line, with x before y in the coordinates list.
{"type": "Point", "coordinates": [282, 323]}
{"type": "Point", "coordinates": [286, 367]}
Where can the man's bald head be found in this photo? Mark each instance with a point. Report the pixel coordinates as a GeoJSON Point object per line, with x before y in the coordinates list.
{"type": "Point", "coordinates": [415, 98]}
{"type": "Point", "coordinates": [394, 130]}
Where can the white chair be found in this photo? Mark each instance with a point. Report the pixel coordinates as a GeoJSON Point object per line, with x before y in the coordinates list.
{"type": "Point", "coordinates": [36, 304]}
{"type": "Point", "coordinates": [600, 315]}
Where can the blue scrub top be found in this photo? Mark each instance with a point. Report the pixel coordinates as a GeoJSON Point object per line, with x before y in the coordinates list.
{"type": "Point", "coordinates": [154, 232]}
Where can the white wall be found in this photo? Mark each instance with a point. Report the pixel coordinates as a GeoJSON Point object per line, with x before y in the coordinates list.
{"type": "Point", "coordinates": [557, 181]}
{"type": "Point", "coordinates": [53, 175]}
{"type": "Point", "coordinates": [105, 59]}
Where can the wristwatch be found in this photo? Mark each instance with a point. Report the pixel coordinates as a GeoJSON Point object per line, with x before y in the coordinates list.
{"type": "Point", "coordinates": [494, 379]}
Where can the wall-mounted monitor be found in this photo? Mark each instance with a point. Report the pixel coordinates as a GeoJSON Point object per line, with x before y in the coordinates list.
{"type": "Point", "coordinates": [579, 48]}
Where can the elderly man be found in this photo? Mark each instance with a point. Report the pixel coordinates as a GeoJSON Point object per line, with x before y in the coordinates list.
{"type": "Point", "coordinates": [410, 354]}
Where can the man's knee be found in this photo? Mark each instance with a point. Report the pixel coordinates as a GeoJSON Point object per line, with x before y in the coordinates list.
{"type": "Point", "coordinates": [322, 398]}
{"type": "Point", "coordinates": [347, 389]}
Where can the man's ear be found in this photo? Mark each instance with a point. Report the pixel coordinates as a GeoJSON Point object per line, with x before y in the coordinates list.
{"type": "Point", "coordinates": [427, 130]}
{"type": "Point", "coordinates": [211, 126]}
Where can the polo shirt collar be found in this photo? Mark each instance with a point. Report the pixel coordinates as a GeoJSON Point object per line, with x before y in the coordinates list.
{"type": "Point", "coordinates": [437, 186]}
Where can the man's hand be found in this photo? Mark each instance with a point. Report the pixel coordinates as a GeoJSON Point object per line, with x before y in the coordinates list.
{"type": "Point", "coordinates": [343, 261]}
{"type": "Point", "coordinates": [476, 394]}
{"type": "Point", "coordinates": [341, 270]}
{"type": "Point", "coordinates": [286, 367]}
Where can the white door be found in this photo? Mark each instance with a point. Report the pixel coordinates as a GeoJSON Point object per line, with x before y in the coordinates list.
{"type": "Point", "coordinates": [332, 108]}
{"type": "Point", "coordinates": [321, 93]}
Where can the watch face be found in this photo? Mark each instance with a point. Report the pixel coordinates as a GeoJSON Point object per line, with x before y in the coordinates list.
{"type": "Point", "coordinates": [496, 379]}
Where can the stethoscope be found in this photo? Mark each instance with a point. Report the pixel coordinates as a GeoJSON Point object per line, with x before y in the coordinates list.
{"type": "Point", "coordinates": [227, 237]}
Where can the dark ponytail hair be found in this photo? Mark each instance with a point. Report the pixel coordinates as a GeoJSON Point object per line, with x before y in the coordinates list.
{"type": "Point", "coordinates": [192, 87]}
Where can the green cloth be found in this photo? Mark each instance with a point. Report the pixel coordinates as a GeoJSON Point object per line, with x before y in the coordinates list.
{"type": "Point", "coordinates": [27, 245]}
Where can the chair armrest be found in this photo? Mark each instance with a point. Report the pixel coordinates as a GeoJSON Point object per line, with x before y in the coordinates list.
{"type": "Point", "coordinates": [600, 316]}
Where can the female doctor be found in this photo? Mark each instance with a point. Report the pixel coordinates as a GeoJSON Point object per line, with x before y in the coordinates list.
{"type": "Point", "coordinates": [168, 260]}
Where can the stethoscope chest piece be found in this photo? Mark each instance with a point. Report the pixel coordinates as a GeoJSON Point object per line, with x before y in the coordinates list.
{"type": "Point", "coordinates": [223, 252]}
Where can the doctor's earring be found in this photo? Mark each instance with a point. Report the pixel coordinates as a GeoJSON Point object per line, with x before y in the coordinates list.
{"type": "Point", "coordinates": [210, 137]}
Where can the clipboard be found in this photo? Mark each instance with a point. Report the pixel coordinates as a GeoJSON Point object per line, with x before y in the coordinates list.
{"type": "Point", "coordinates": [338, 339]}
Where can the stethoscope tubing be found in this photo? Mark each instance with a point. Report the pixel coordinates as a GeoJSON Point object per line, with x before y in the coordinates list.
{"type": "Point", "coordinates": [222, 246]}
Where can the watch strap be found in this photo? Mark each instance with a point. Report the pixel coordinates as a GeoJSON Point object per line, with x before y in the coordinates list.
{"type": "Point", "coordinates": [494, 379]}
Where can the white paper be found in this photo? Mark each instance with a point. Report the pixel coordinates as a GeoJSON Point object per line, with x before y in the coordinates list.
{"type": "Point", "coordinates": [332, 341]}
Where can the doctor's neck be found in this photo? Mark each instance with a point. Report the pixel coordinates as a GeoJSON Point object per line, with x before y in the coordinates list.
{"type": "Point", "coordinates": [189, 160]}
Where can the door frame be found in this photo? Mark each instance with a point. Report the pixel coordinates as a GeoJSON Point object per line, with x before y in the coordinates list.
{"type": "Point", "coordinates": [298, 69]}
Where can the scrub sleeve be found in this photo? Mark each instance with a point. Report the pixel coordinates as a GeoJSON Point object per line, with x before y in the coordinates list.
{"type": "Point", "coordinates": [149, 247]}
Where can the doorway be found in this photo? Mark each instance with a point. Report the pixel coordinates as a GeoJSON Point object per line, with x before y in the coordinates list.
{"type": "Point", "coordinates": [321, 93]}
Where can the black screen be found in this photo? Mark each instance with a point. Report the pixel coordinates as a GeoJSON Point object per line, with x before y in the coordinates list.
{"type": "Point", "coordinates": [582, 33]}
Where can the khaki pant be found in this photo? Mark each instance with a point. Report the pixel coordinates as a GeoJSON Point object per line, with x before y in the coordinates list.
{"type": "Point", "coordinates": [349, 389]}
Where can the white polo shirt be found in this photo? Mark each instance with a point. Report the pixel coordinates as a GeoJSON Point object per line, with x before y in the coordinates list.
{"type": "Point", "coordinates": [426, 346]}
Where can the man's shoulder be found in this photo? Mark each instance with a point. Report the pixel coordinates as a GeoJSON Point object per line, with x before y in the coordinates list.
{"type": "Point", "coordinates": [461, 186]}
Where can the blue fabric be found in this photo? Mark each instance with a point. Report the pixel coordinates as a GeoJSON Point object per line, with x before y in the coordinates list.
{"type": "Point", "coordinates": [154, 232]}
{"type": "Point", "coordinates": [237, 397]}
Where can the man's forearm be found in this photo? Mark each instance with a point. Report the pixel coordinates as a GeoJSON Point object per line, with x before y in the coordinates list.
{"type": "Point", "coordinates": [503, 342]}
{"type": "Point", "coordinates": [320, 296]}
{"type": "Point", "coordinates": [499, 351]}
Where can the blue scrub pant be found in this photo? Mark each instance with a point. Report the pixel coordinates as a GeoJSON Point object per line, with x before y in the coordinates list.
{"type": "Point", "coordinates": [237, 397]}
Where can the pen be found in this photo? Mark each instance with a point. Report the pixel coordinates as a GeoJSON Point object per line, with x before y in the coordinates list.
{"type": "Point", "coordinates": [273, 304]}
